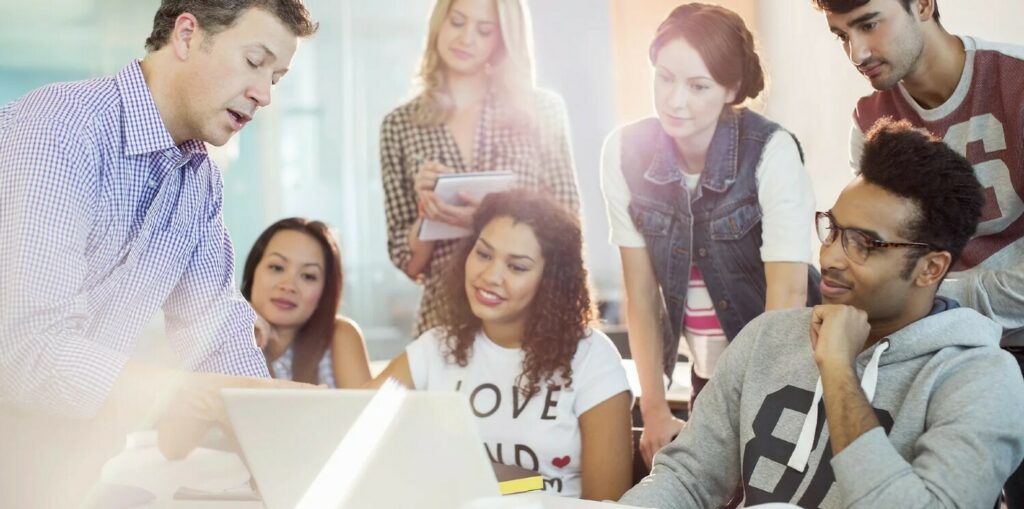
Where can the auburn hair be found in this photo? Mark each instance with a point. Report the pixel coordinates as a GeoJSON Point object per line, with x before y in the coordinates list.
{"type": "Point", "coordinates": [723, 41]}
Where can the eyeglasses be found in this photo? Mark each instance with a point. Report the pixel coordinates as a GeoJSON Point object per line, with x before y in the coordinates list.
{"type": "Point", "coordinates": [856, 244]}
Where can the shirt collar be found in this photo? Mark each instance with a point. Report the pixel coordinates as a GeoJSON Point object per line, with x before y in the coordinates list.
{"type": "Point", "coordinates": [144, 129]}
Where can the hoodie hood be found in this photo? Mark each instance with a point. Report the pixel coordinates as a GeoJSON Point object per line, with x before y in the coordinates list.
{"type": "Point", "coordinates": [960, 327]}
{"type": "Point", "coordinates": [947, 325]}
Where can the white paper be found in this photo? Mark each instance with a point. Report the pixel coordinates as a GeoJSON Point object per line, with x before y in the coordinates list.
{"type": "Point", "coordinates": [448, 188]}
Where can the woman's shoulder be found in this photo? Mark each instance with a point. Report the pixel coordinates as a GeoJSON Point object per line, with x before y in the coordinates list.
{"type": "Point", "coordinates": [544, 99]}
{"type": "Point", "coordinates": [429, 348]}
{"type": "Point", "coordinates": [754, 122]}
{"type": "Point", "coordinates": [432, 338]}
{"type": "Point", "coordinates": [596, 345]}
{"type": "Point", "coordinates": [346, 329]}
{"type": "Point", "coordinates": [639, 136]}
{"type": "Point", "coordinates": [402, 114]}
{"type": "Point", "coordinates": [547, 109]}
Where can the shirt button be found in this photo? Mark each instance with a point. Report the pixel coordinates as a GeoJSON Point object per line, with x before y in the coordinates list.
{"type": "Point", "coordinates": [702, 252]}
{"type": "Point", "coordinates": [151, 184]}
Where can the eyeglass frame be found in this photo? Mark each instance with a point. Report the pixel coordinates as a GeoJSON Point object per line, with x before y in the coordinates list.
{"type": "Point", "coordinates": [840, 234]}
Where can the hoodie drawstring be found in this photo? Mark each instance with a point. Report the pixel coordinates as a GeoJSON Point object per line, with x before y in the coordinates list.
{"type": "Point", "coordinates": [868, 383]}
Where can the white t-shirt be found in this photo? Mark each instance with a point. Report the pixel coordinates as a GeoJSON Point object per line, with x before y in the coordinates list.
{"type": "Point", "coordinates": [542, 433]}
{"type": "Point", "coordinates": [786, 199]}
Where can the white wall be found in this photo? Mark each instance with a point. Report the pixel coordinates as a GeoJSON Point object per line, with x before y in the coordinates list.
{"type": "Point", "coordinates": [813, 87]}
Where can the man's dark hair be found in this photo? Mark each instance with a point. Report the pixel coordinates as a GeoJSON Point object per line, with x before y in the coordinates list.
{"type": "Point", "coordinates": [914, 164]}
{"type": "Point", "coordinates": [845, 6]}
{"type": "Point", "coordinates": [216, 15]}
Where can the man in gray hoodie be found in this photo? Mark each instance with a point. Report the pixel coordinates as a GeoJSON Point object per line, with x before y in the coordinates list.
{"type": "Point", "coordinates": [885, 395]}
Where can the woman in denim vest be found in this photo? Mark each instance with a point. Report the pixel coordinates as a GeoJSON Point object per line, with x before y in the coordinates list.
{"type": "Point", "coordinates": [709, 204]}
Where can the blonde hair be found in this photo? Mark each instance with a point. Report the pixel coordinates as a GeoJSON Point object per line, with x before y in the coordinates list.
{"type": "Point", "coordinates": [511, 67]}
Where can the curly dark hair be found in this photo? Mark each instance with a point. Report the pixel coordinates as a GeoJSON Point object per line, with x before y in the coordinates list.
{"type": "Point", "coordinates": [845, 6]}
{"type": "Point", "coordinates": [911, 163]}
{"type": "Point", "coordinates": [561, 311]}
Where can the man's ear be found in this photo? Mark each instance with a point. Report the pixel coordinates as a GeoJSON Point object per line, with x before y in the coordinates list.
{"type": "Point", "coordinates": [923, 10]}
{"type": "Point", "coordinates": [185, 35]}
{"type": "Point", "coordinates": [932, 267]}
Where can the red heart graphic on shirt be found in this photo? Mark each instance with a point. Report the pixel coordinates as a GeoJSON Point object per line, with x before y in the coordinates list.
{"type": "Point", "coordinates": [561, 462]}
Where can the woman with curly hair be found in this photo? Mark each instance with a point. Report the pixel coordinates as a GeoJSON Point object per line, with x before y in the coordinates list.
{"type": "Point", "coordinates": [549, 392]}
{"type": "Point", "coordinates": [476, 109]}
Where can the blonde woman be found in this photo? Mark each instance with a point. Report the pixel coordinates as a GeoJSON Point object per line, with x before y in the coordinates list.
{"type": "Point", "coordinates": [476, 110]}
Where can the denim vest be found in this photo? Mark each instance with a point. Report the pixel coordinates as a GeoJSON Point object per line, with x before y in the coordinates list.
{"type": "Point", "coordinates": [718, 228]}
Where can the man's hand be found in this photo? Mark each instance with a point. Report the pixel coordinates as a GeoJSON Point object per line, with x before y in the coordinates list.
{"type": "Point", "coordinates": [838, 334]}
{"type": "Point", "coordinates": [659, 429]}
{"type": "Point", "coordinates": [197, 405]}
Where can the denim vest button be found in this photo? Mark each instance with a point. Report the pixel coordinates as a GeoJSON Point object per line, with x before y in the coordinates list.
{"type": "Point", "coordinates": [723, 304]}
{"type": "Point", "coordinates": [702, 252]}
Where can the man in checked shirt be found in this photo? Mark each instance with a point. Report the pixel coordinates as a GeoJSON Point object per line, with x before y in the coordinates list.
{"type": "Point", "coordinates": [110, 209]}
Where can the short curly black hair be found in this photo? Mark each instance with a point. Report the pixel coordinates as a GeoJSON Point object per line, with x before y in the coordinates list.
{"type": "Point", "coordinates": [845, 6]}
{"type": "Point", "coordinates": [912, 163]}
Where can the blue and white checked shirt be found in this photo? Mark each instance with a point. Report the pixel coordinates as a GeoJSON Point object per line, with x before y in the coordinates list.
{"type": "Point", "coordinates": [103, 220]}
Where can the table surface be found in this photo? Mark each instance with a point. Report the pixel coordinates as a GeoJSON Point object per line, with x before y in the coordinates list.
{"type": "Point", "coordinates": [141, 467]}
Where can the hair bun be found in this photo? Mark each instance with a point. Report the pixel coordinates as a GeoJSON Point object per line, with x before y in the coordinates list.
{"type": "Point", "coordinates": [753, 74]}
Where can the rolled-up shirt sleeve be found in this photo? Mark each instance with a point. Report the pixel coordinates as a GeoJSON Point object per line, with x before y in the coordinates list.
{"type": "Point", "coordinates": [786, 197]}
{"type": "Point", "coordinates": [623, 232]}
{"type": "Point", "coordinates": [47, 361]}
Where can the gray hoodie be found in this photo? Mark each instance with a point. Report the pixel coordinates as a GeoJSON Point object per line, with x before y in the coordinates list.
{"type": "Point", "coordinates": [950, 402]}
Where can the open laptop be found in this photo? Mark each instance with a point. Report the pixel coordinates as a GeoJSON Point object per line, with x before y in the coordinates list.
{"type": "Point", "coordinates": [421, 449]}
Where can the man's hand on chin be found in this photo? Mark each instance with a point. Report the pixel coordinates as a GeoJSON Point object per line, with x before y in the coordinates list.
{"type": "Point", "coordinates": [838, 334]}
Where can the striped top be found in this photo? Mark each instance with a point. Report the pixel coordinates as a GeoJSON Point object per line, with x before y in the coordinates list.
{"type": "Point", "coordinates": [704, 336]}
{"type": "Point", "coordinates": [103, 222]}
